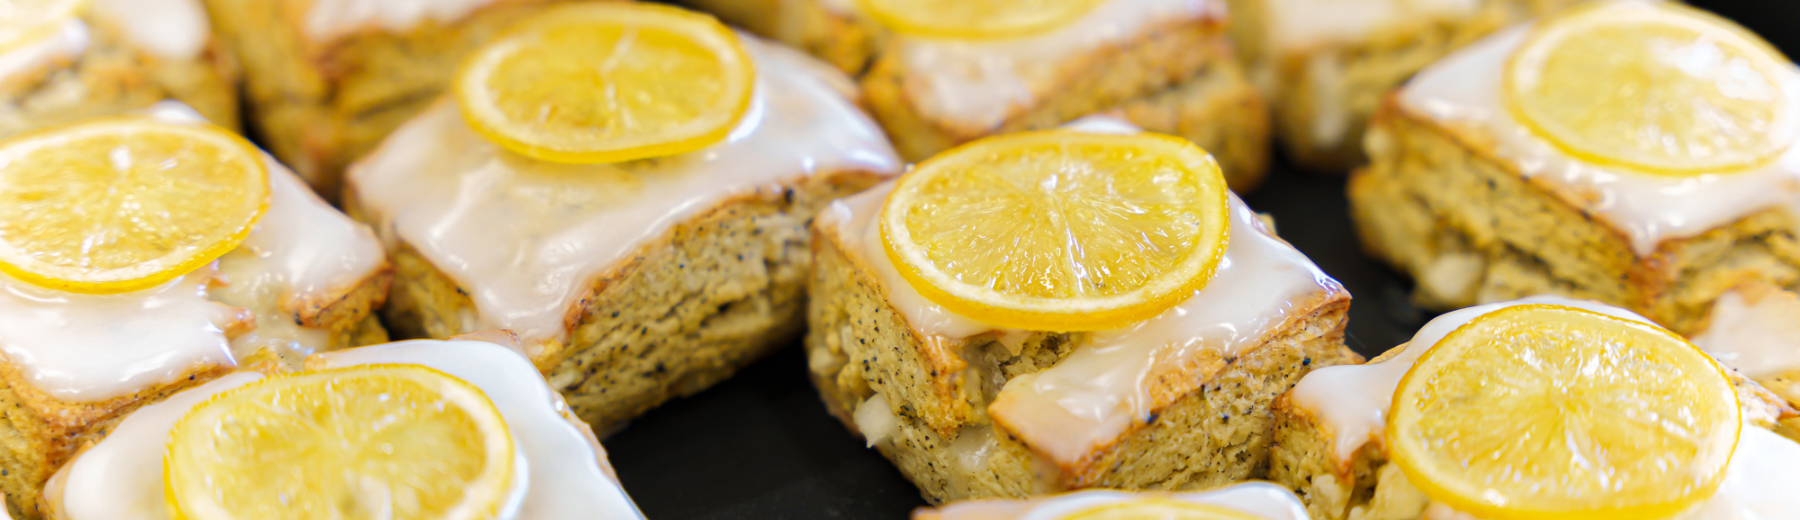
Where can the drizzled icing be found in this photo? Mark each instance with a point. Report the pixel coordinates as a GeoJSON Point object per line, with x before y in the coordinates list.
{"type": "Point", "coordinates": [1353, 401]}
{"type": "Point", "coordinates": [1757, 333]}
{"type": "Point", "coordinates": [524, 237]}
{"type": "Point", "coordinates": [168, 29]}
{"type": "Point", "coordinates": [25, 59]}
{"type": "Point", "coordinates": [978, 83]}
{"type": "Point", "coordinates": [1294, 24]}
{"type": "Point", "coordinates": [1265, 500]}
{"type": "Point", "coordinates": [331, 19]}
{"type": "Point", "coordinates": [1101, 389]}
{"type": "Point", "coordinates": [1463, 92]}
{"type": "Point", "coordinates": [120, 478]}
{"type": "Point", "coordinates": [93, 347]}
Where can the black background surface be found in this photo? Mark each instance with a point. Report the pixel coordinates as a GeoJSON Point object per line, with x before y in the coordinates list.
{"type": "Point", "coordinates": [761, 445]}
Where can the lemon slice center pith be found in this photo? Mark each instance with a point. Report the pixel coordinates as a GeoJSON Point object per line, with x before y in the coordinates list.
{"type": "Point", "coordinates": [1060, 230]}
{"type": "Point", "coordinates": [375, 441]}
{"type": "Point", "coordinates": [1551, 412]}
{"type": "Point", "coordinates": [1655, 87]}
{"type": "Point", "coordinates": [608, 82]}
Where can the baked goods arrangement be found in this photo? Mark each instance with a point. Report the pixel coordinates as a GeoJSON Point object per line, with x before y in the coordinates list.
{"type": "Point", "coordinates": [1004, 238]}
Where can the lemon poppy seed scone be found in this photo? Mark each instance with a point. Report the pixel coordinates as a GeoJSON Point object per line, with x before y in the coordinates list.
{"type": "Point", "coordinates": [1545, 407]}
{"type": "Point", "coordinates": [1325, 66]}
{"type": "Point", "coordinates": [1637, 153]}
{"type": "Point", "coordinates": [66, 60]}
{"type": "Point", "coordinates": [1249, 501]}
{"type": "Point", "coordinates": [944, 73]}
{"type": "Point", "coordinates": [146, 254]}
{"type": "Point", "coordinates": [326, 80]}
{"type": "Point", "coordinates": [418, 429]}
{"type": "Point", "coordinates": [1063, 309]}
{"type": "Point", "coordinates": [639, 262]}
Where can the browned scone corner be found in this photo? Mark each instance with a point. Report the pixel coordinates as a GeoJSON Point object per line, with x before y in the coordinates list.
{"type": "Point", "coordinates": [1325, 73]}
{"type": "Point", "coordinates": [928, 387]}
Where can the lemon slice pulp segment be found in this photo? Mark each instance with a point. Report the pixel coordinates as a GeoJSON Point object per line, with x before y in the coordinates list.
{"type": "Point", "coordinates": [403, 442]}
{"type": "Point", "coordinates": [124, 204]}
{"type": "Point", "coordinates": [22, 21]}
{"type": "Point", "coordinates": [975, 19]}
{"type": "Point", "coordinates": [1656, 87]}
{"type": "Point", "coordinates": [592, 83]}
{"type": "Point", "coordinates": [1161, 509]}
{"type": "Point", "coordinates": [1552, 412]}
{"type": "Point", "coordinates": [1059, 230]}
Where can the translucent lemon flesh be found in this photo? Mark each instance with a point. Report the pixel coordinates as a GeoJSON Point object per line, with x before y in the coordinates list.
{"type": "Point", "coordinates": [596, 83]}
{"type": "Point", "coordinates": [1059, 230]}
{"type": "Point", "coordinates": [402, 442]}
{"type": "Point", "coordinates": [1655, 87]}
{"type": "Point", "coordinates": [1550, 412]}
{"type": "Point", "coordinates": [125, 204]}
{"type": "Point", "coordinates": [976, 19]}
{"type": "Point", "coordinates": [1161, 509]}
{"type": "Point", "coordinates": [23, 21]}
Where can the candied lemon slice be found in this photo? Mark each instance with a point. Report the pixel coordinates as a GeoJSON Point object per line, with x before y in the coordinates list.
{"type": "Point", "coordinates": [608, 82]}
{"type": "Point", "coordinates": [975, 19]}
{"type": "Point", "coordinates": [1549, 412]}
{"type": "Point", "coordinates": [26, 20]}
{"type": "Point", "coordinates": [1656, 87]}
{"type": "Point", "coordinates": [1161, 509]}
{"type": "Point", "coordinates": [1059, 230]}
{"type": "Point", "coordinates": [124, 204]}
{"type": "Point", "coordinates": [403, 442]}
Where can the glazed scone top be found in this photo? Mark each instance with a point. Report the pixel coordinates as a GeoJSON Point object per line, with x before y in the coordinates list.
{"type": "Point", "coordinates": [526, 237]}
{"type": "Point", "coordinates": [87, 347]}
{"type": "Point", "coordinates": [1353, 401]}
{"type": "Point", "coordinates": [1300, 24]}
{"type": "Point", "coordinates": [1463, 94]}
{"type": "Point", "coordinates": [977, 84]}
{"type": "Point", "coordinates": [1265, 500]}
{"type": "Point", "coordinates": [121, 477]}
{"type": "Point", "coordinates": [166, 29]}
{"type": "Point", "coordinates": [1755, 329]}
{"type": "Point", "coordinates": [1099, 391]}
{"type": "Point", "coordinates": [330, 19]}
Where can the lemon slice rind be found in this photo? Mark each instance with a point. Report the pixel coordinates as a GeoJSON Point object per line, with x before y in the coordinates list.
{"type": "Point", "coordinates": [1455, 483]}
{"type": "Point", "coordinates": [1002, 19]}
{"type": "Point", "coordinates": [593, 143]}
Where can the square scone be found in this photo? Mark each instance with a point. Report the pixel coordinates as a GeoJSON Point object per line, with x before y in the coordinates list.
{"type": "Point", "coordinates": [208, 451]}
{"type": "Point", "coordinates": [936, 78]}
{"type": "Point", "coordinates": [1325, 66]}
{"type": "Point", "coordinates": [1145, 386]}
{"type": "Point", "coordinates": [1557, 405]}
{"type": "Point", "coordinates": [69, 60]}
{"type": "Point", "coordinates": [1514, 168]}
{"type": "Point", "coordinates": [327, 80]}
{"type": "Point", "coordinates": [256, 269]}
{"type": "Point", "coordinates": [630, 282]}
{"type": "Point", "coordinates": [1247, 501]}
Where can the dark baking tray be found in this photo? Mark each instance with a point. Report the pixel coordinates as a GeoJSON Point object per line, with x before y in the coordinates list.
{"type": "Point", "coordinates": [761, 445]}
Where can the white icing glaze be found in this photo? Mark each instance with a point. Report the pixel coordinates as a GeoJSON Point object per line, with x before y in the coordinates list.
{"type": "Point", "coordinates": [978, 83]}
{"type": "Point", "coordinates": [93, 347]}
{"type": "Point", "coordinates": [1099, 390]}
{"type": "Point", "coordinates": [1295, 24]}
{"type": "Point", "coordinates": [169, 29]}
{"type": "Point", "coordinates": [1464, 92]}
{"type": "Point", "coordinates": [1760, 338]}
{"type": "Point", "coordinates": [524, 237]}
{"type": "Point", "coordinates": [875, 420]}
{"type": "Point", "coordinates": [1354, 399]}
{"type": "Point", "coordinates": [29, 58]}
{"type": "Point", "coordinates": [1265, 500]}
{"type": "Point", "coordinates": [330, 19]}
{"type": "Point", "coordinates": [564, 481]}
